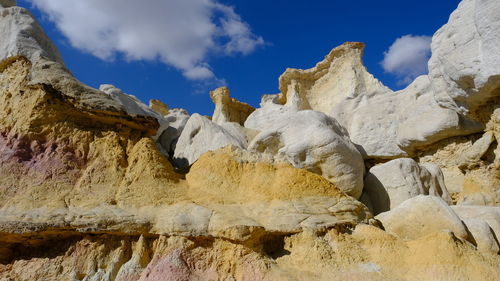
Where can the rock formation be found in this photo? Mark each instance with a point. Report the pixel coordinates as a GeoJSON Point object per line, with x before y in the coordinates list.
{"type": "Point", "coordinates": [316, 142]}
{"type": "Point", "coordinates": [465, 65]}
{"type": "Point", "coordinates": [159, 107]}
{"type": "Point", "coordinates": [390, 184]}
{"type": "Point", "coordinates": [95, 185]}
{"type": "Point", "coordinates": [228, 109]}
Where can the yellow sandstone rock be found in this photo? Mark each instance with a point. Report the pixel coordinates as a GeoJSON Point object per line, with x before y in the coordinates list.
{"type": "Point", "coordinates": [228, 109]}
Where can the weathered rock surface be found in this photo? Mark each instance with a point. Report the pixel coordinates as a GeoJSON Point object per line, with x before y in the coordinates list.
{"type": "Point", "coordinates": [390, 184]}
{"type": "Point", "coordinates": [22, 35]}
{"type": "Point", "coordinates": [368, 254]}
{"type": "Point", "coordinates": [270, 111]}
{"type": "Point", "coordinates": [158, 106]}
{"type": "Point", "coordinates": [463, 77]}
{"type": "Point", "coordinates": [201, 135]}
{"type": "Point", "coordinates": [465, 65]}
{"type": "Point", "coordinates": [421, 215]}
{"type": "Point", "coordinates": [316, 142]}
{"type": "Point", "coordinates": [87, 191]}
{"type": "Point", "coordinates": [134, 107]}
{"type": "Point", "coordinates": [470, 164]}
{"type": "Point", "coordinates": [484, 236]}
{"type": "Point", "coordinates": [487, 213]}
{"type": "Point", "coordinates": [318, 88]}
{"type": "Point", "coordinates": [384, 124]}
{"type": "Point", "coordinates": [228, 109]}
{"type": "Point", "coordinates": [244, 176]}
{"type": "Point", "coordinates": [177, 119]}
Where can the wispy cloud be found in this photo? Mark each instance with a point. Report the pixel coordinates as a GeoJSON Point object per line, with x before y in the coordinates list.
{"type": "Point", "coordinates": [407, 57]}
{"type": "Point", "coordinates": [179, 33]}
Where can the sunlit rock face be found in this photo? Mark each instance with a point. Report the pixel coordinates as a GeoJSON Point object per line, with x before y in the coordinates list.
{"type": "Point", "coordinates": [96, 185]}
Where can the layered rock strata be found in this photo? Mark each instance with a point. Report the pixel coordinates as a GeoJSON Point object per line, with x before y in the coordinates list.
{"type": "Point", "coordinates": [95, 185]}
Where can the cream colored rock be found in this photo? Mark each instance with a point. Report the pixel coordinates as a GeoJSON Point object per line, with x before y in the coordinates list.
{"type": "Point", "coordinates": [483, 235]}
{"type": "Point", "coordinates": [270, 111]}
{"type": "Point", "coordinates": [316, 142]}
{"type": "Point", "coordinates": [469, 166]}
{"type": "Point", "coordinates": [177, 119]}
{"type": "Point", "coordinates": [487, 213]}
{"type": "Point", "coordinates": [201, 135]}
{"type": "Point", "coordinates": [465, 65]}
{"type": "Point", "coordinates": [472, 156]}
{"type": "Point", "coordinates": [134, 106]}
{"type": "Point", "coordinates": [22, 35]}
{"type": "Point", "coordinates": [383, 123]}
{"type": "Point", "coordinates": [240, 132]}
{"type": "Point", "coordinates": [479, 198]}
{"type": "Point", "coordinates": [158, 106]}
{"type": "Point", "coordinates": [436, 182]}
{"type": "Point", "coordinates": [390, 184]}
{"type": "Point", "coordinates": [341, 75]}
{"type": "Point", "coordinates": [228, 109]}
{"type": "Point", "coordinates": [420, 216]}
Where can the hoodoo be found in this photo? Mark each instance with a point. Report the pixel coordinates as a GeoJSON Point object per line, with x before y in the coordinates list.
{"type": "Point", "coordinates": [337, 177]}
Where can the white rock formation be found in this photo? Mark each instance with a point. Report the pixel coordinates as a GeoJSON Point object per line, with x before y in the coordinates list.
{"type": "Point", "coordinates": [464, 74]}
{"type": "Point", "coordinates": [484, 236]}
{"type": "Point", "coordinates": [390, 184]}
{"type": "Point", "coordinates": [465, 65]}
{"type": "Point", "coordinates": [134, 106]}
{"type": "Point", "coordinates": [472, 156]}
{"type": "Point", "coordinates": [269, 112]}
{"type": "Point", "coordinates": [201, 135]}
{"type": "Point", "coordinates": [420, 216]}
{"type": "Point", "coordinates": [383, 123]}
{"type": "Point", "coordinates": [340, 76]}
{"type": "Point", "coordinates": [316, 142]}
{"type": "Point", "coordinates": [22, 35]}
{"type": "Point", "coordinates": [489, 214]}
{"type": "Point", "coordinates": [177, 119]}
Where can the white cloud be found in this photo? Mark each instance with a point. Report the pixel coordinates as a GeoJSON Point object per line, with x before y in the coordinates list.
{"type": "Point", "coordinates": [180, 33]}
{"type": "Point", "coordinates": [407, 57]}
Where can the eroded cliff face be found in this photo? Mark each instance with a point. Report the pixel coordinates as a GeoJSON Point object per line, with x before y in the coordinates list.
{"type": "Point", "coordinates": [95, 185]}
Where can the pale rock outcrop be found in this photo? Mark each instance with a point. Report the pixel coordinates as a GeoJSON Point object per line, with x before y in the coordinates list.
{"type": "Point", "coordinates": [484, 236]}
{"type": "Point", "coordinates": [378, 120]}
{"type": "Point", "coordinates": [270, 111]}
{"type": "Point", "coordinates": [472, 156]}
{"type": "Point", "coordinates": [390, 184]}
{"type": "Point", "coordinates": [134, 106]}
{"type": "Point", "coordinates": [158, 106]}
{"type": "Point", "coordinates": [487, 213]}
{"type": "Point", "coordinates": [341, 75]}
{"type": "Point", "coordinates": [316, 142]}
{"type": "Point", "coordinates": [86, 195]}
{"type": "Point", "coordinates": [465, 65]}
{"type": "Point", "coordinates": [177, 119]}
{"type": "Point", "coordinates": [228, 109]}
{"type": "Point", "coordinates": [201, 135]}
{"type": "Point", "coordinates": [239, 131]}
{"type": "Point", "coordinates": [22, 35]}
{"type": "Point", "coordinates": [472, 196]}
{"type": "Point", "coordinates": [420, 216]}
{"type": "Point", "coordinates": [463, 76]}
{"type": "Point", "coordinates": [470, 164]}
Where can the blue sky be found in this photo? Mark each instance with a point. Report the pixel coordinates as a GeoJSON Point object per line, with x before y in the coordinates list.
{"type": "Point", "coordinates": [281, 34]}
